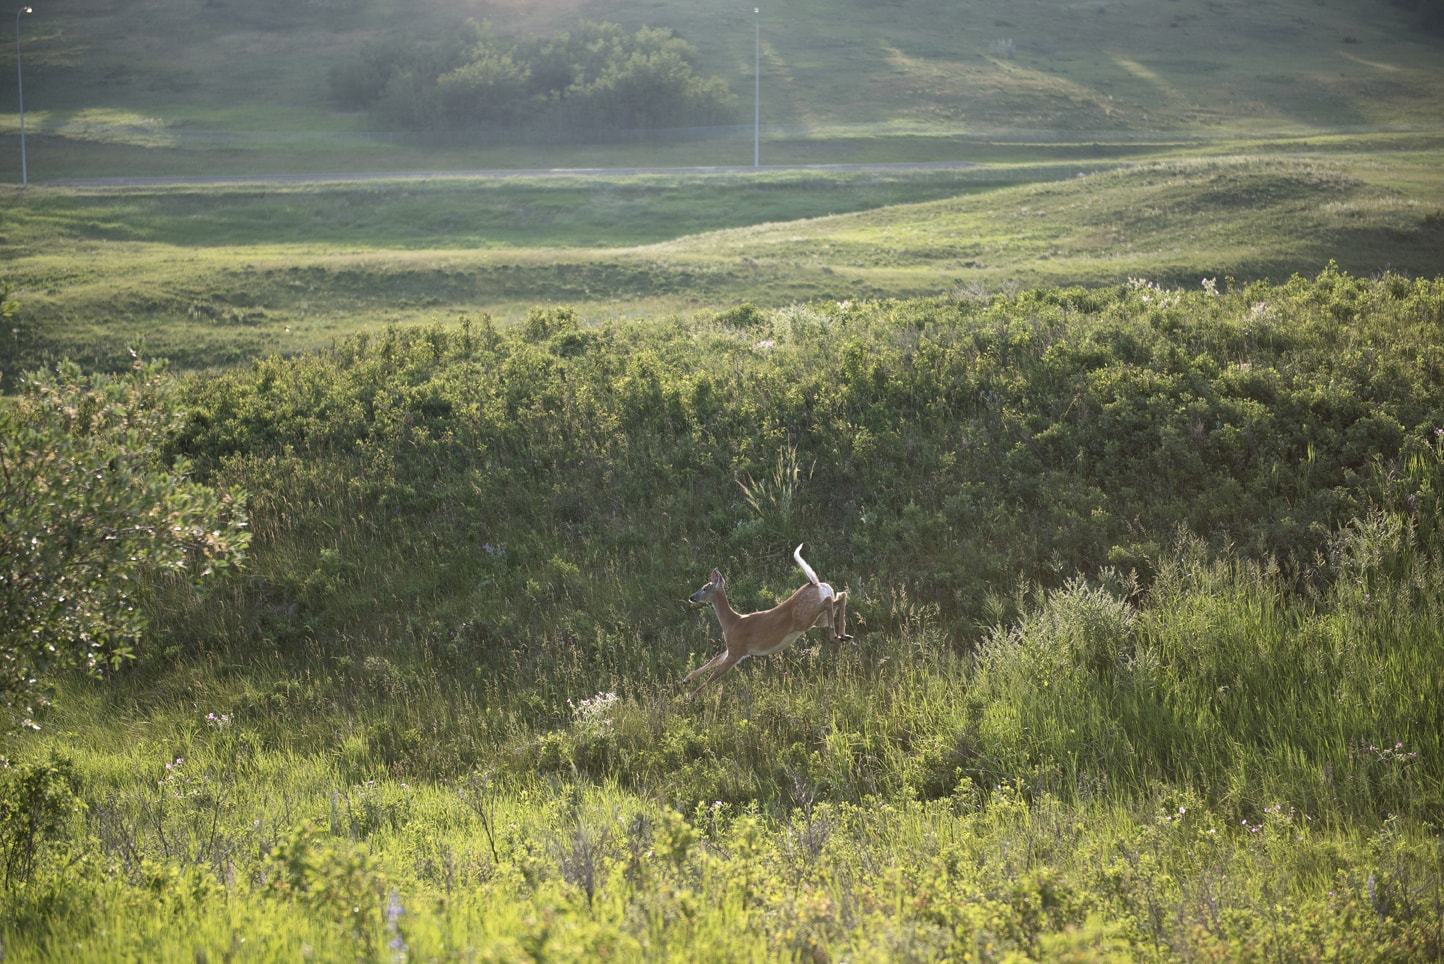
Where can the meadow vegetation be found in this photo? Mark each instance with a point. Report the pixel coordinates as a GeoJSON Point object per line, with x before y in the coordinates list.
{"type": "Point", "coordinates": [1113, 401]}
{"type": "Point", "coordinates": [1144, 580]}
{"type": "Point", "coordinates": [85, 512]}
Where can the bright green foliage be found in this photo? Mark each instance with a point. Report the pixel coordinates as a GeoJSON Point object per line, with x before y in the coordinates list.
{"type": "Point", "coordinates": [37, 804]}
{"type": "Point", "coordinates": [336, 884]}
{"type": "Point", "coordinates": [588, 872]}
{"type": "Point", "coordinates": [88, 509]}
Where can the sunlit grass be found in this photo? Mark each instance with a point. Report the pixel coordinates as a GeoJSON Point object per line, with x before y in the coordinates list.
{"type": "Point", "coordinates": [226, 273]}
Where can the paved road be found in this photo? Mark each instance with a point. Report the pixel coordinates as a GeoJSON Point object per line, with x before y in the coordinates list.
{"type": "Point", "coordinates": [465, 175]}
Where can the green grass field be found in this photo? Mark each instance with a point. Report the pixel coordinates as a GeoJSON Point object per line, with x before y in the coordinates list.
{"type": "Point", "coordinates": [157, 88]}
{"type": "Point", "coordinates": [212, 275]}
{"type": "Point", "coordinates": [1213, 139]}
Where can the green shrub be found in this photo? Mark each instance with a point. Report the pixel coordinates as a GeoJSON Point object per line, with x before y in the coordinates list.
{"type": "Point", "coordinates": [39, 801]}
{"type": "Point", "coordinates": [334, 881]}
{"type": "Point", "coordinates": [89, 509]}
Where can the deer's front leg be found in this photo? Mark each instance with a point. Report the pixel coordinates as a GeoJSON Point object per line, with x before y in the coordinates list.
{"type": "Point", "coordinates": [725, 662]}
{"type": "Point", "coordinates": [839, 617]}
{"type": "Point", "coordinates": [705, 667]}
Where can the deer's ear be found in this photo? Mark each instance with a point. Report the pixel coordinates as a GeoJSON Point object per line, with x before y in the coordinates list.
{"type": "Point", "coordinates": [717, 578]}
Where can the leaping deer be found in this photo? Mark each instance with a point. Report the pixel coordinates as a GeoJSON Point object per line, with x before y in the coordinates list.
{"type": "Point", "coordinates": [754, 634]}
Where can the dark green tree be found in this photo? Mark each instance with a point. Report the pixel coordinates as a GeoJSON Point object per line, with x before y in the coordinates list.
{"type": "Point", "coordinates": [490, 89]}
{"type": "Point", "coordinates": [595, 76]}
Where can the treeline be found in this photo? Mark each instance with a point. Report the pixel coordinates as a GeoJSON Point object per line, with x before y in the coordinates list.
{"type": "Point", "coordinates": [595, 76]}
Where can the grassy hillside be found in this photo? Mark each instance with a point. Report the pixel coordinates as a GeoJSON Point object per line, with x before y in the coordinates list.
{"type": "Point", "coordinates": [215, 275]}
{"type": "Point", "coordinates": [1213, 139]}
{"type": "Point", "coordinates": [1144, 582]}
{"type": "Point", "coordinates": [160, 87]}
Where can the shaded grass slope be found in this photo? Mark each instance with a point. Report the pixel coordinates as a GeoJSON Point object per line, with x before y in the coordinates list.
{"type": "Point", "coordinates": [1263, 416]}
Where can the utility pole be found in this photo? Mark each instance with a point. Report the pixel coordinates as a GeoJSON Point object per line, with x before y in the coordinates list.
{"type": "Point", "coordinates": [20, 89]}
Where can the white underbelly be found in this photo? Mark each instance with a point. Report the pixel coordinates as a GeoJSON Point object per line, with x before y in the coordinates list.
{"type": "Point", "coordinates": [780, 644]}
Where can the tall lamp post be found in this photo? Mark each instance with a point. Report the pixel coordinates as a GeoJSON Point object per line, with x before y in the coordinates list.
{"type": "Point", "coordinates": [20, 88]}
{"type": "Point", "coordinates": [756, 90]}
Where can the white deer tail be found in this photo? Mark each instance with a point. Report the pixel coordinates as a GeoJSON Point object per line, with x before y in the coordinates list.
{"type": "Point", "coordinates": [802, 563]}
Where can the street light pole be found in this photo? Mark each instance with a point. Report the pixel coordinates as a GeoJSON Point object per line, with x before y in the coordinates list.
{"type": "Point", "coordinates": [757, 90]}
{"type": "Point", "coordinates": [20, 88]}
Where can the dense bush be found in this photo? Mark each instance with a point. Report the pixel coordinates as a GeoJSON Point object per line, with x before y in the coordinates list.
{"type": "Point", "coordinates": [596, 77]}
{"type": "Point", "coordinates": [955, 449]}
{"type": "Point", "coordinates": [87, 510]}
{"type": "Point", "coordinates": [38, 802]}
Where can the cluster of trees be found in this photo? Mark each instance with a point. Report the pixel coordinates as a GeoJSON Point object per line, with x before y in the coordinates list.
{"type": "Point", "coordinates": [596, 76]}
